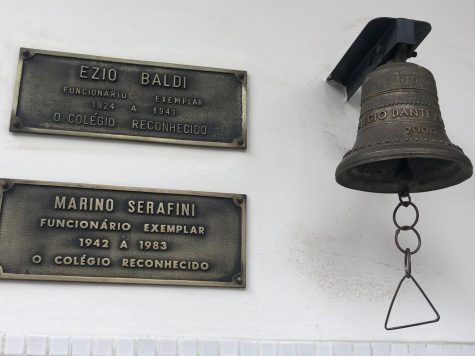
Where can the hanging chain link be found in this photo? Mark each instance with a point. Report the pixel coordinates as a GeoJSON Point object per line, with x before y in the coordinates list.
{"type": "Point", "coordinates": [405, 202]}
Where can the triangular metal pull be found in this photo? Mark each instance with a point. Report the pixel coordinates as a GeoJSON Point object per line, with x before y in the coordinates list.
{"type": "Point", "coordinates": [414, 324]}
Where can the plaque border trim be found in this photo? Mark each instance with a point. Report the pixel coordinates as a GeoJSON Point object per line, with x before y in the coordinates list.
{"type": "Point", "coordinates": [7, 183]}
{"type": "Point", "coordinates": [31, 52]}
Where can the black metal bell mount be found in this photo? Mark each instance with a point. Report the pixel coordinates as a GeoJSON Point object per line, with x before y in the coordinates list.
{"type": "Point", "coordinates": [401, 145]}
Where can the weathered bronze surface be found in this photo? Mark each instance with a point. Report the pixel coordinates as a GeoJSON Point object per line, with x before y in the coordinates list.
{"type": "Point", "coordinates": [401, 145]}
{"type": "Point", "coordinates": [78, 95]}
{"type": "Point", "coordinates": [77, 232]}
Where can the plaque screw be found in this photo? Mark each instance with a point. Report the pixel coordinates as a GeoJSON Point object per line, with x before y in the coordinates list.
{"type": "Point", "coordinates": [26, 53]}
{"type": "Point", "coordinates": [238, 280]}
{"type": "Point", "coordinates": [36, 259]}
{"type": "Point", "coordinates": [238, 200]}
{"type": "Point", "coordinates": [4, 185]}
{"type": "Point", "coordinates": [240, 76]}
{"type": "Point", "coordinates": [240, 141]}
{"type": "Point", "coordinates": [16, 124]}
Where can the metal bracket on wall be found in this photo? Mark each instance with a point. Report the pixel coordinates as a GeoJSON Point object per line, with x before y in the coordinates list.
{"type": "Point", "coordinates": [375, 45]}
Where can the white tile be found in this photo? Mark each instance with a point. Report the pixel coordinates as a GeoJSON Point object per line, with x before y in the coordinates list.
{"type": "Point", "coordinates": [208, 348]}
{"type": "Point", "coordinates": [14, 345]}
{"type": "Point", "coordinates": [452, 350]}
{"type": "Point", "coordinates": [84, 346]}
{"type": "Point", "coordinates": [267, 348]}
{"type": "Point", "coordinates": [361, 349]}
{"type": "Point", "coordinates": [417, 349]}
{"type": "Point", "coordinates": [187, 347]}
{"type": "Point", "coordinates": [434, 350]}
{"type": "Point", "coordinates": [102, 347]}
{"type": "Point", "coordinates": [399, 349]}
{"type": "Point", "coordinates": [342, 349]}
{"type": "Point", "coordinates": [81, 346]}
{"type": "Point", "coordinates": [167, 347]}
{"type": "Point", "coordinates": [381, 349]}
{"type": "Point", "coordinates": [146, 346]}
{"type": "Point", "coordinates": [468, 350]}
{"type": "Point", "coordinates": [58, 346]}
{"type": "Point", "coordinates": [248, 348]}
{"type": "Point", "coordinates": [305, 348]}
{"type": "Point", "coordinates": [124, 346]}
{"type": "Point", "coordinates": [36, 345]}
{"type": "Point", "coordinates": [286, 349]}
{"type": "Point", "coordinates": [324, 348]}
{"type": "Point", "coordinates": [230, 348]}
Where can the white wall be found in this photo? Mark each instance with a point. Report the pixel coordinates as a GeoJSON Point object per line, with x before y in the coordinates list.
{"type": "Point", "coordinates": [321, 259]}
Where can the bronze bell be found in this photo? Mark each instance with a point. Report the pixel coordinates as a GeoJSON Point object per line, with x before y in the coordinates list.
{"type": "Point", "coordinates": [401, 144]}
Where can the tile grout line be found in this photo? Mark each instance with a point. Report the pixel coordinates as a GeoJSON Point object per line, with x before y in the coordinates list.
{"type": "Point", "coordinates": [48, 345]}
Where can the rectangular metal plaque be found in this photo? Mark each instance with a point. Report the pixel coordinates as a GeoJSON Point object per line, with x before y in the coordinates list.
{"type": "Point", "coordinates": [91, 233]}
{"type": "Point", "coordinates": [78, 95]}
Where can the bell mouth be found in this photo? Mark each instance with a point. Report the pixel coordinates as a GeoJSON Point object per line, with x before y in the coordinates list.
{"type": "Point", "coordinates": [404, 170]}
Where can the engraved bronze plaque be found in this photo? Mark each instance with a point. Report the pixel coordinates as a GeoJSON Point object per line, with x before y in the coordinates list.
{"type": "Point", "coordinates": [78, 95]}
{"type": "Point", "coordinates": [91, 233]}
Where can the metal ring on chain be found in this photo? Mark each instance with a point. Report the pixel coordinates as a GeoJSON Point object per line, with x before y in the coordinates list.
{"type": "Point", "coordinates": [396, 238]}
{"type": "Point", "coordinates": [405, 227]}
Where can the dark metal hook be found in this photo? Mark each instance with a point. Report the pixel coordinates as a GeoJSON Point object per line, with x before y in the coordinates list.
{"type": "Point", "coordinates": [407, 263]}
